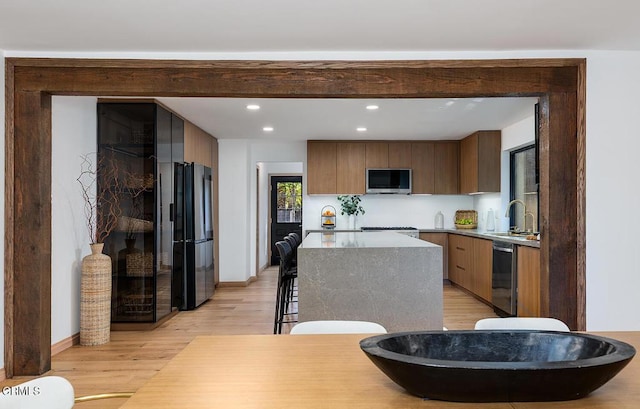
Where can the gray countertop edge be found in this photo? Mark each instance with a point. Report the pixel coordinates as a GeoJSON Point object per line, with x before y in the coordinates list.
{"type": "Point", "coordinates": [485, 235]}
{"type": "Point", "coordinates": [462, 232]}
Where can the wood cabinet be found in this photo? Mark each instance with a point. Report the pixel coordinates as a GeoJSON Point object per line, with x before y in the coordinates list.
{"type": "Point", "coordinates": [482, 268]}
{"type": "Point", "coordinates": [422, 163]}
{"type": "Point", "coordinates": [142, 141]}
{"type": "Point", "coordinates": [350, 168]}
{"type": "Point", "coordinates": [388, 154]}
{"type": "Point", "coordinates": [480, 162]}
{"type": "Point", "coordinates": [441, 240]}
{"type": "Point", "coordinates": [200, 147]}
{"type": "Point", "coordinates": [461, 260]}
{"type": "Point", "coordinates": [528, 265]}
{"type": "Point", "coordinates": [435, 167]}
{"type": "Point", "coordinates": [339, 167]}
{"type": "Point", "coordinates": [335, 167]}
{"type": "Point", "coordinates": [400, 155]}
{"type": "Point", "coordinates": [377, 155]}
{"type": "Point", "coordinates": [321, 167]}
{"type": "Point", "coordinates": [471, 264]}
{"type": "Point", "coordinates": [446, 174]}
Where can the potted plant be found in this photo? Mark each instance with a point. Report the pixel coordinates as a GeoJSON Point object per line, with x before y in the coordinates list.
{"type": "Point", "coordinates": [350, 205]}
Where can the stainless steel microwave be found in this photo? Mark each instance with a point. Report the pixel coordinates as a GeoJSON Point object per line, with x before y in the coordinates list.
{"type": "Point", "coordinates": [388, 181]}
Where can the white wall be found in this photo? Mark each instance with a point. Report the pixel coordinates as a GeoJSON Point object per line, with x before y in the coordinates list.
{"type": "Point", "coordinates": [2, 175]}
{"type": "Point", "coordinates": [613, 191]}
{"type": "Point", "coordinates": [234, 179]}
{"type": "Point", "coordinates": [73, 134]}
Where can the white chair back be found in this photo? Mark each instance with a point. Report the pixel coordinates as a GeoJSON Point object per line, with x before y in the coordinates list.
{"type": "Point", "coordinates": [337, 327]}
{"type": "Point", "coordinates": [47, 392]}
{"type": "Point", "coordinates": [531, 323]}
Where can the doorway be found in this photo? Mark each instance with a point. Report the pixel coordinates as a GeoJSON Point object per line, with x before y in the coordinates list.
{"type": "Point", "coordinates": [30, 82]}
{"type": "Point", "coordinates": [286, 210]}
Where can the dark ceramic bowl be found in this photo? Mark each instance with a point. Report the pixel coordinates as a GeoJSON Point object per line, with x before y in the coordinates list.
{"type": "Point", "coordinates": [498, 366]}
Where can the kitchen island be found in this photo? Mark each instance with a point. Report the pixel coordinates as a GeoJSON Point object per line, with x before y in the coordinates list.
{"type": "Point", "coordinates": [385, 277]}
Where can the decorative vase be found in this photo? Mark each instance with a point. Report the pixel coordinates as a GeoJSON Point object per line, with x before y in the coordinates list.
{"type": "Point", "coordinates": [352, 222]}
{"type": "Point", "coordinates": [95, 297]}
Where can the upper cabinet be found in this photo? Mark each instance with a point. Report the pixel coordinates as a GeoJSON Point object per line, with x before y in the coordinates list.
{"type": "Point", "coordinates": [400, 155]}
{"type": "Point", "coordinates": [335, 167]}
{"type": "Point", "coordinates": [321, 167]}
{"type": "Point", "coordinates": [377, 155]}
{"type": "Point", "coordinates": [387, 154]}
{"type": "Point", "coordinates": [480, 162]}
{"type": "Point", "coordinates": [423, 167]}
{"type": "Point", "coordinates": [435, 167]}
{"type": "Point", "coordinates": [350, 168]}
{"type": "Point", "coordinates": [446, 161]}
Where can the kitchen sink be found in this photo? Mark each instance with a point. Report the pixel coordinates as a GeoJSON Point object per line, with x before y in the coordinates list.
{"type": "Point", "coordinates": [510, 235]}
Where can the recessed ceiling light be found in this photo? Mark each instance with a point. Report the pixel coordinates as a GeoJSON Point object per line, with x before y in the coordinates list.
{"type": "Point", "coordinates": [253, 107]}
{"type": "Point", "coordinates": [372, 107]}
{"type": "Point", "coordinates": [361, 129]}
{"type": "Point", "coordinates": [268, 129]}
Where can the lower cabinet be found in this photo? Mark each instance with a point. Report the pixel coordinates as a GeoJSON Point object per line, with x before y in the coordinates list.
{"type": "Point", "coordinates": [470, 264]}
{"type": "Point", "coordinates": [441, 240]}
{"type": "Point", "coordinates": [482, 268]}
{"type": "Point", "coordinates": [528, 281]}
{"type": "Point", "coordinates": [461, 260]}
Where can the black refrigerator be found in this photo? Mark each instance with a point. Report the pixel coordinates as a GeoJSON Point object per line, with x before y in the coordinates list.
{"type": "Point", "coordinates": [193, 278]}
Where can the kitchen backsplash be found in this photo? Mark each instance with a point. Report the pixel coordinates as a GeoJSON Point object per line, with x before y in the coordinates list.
{"type": "Point", "coordinates": [391, 210]}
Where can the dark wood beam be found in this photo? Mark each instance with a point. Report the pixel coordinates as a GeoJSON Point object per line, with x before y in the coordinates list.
{"type": "Point", "coordinates": [297, 82]}
{"type": "Point", "coordinates": [31, 322]}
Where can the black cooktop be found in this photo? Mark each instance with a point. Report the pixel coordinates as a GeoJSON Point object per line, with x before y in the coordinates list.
{"type": "Point", "coordinates": [388, 228]}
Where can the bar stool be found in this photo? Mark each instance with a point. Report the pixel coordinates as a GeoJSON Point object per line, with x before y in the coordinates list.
{"type": "Point", "coordinates": [286, 277]}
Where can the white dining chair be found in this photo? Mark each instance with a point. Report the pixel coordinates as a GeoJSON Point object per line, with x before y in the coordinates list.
{"type": "Point", "coordinates": [531, 323]}
{"type": "Point", "coordinates": [337, 327]}
{"type": "Point", "coordinates": [50, 392]}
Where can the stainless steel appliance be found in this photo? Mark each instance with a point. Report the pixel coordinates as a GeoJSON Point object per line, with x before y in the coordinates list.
{"type": "Point", "coordinates": [388, 181]}
{"type": "Point", "coordinates": [409, 231]}
{"type": "Point", "coordinates": [504, 279]}
{"type": "Point", "coordinates": [193, 246]}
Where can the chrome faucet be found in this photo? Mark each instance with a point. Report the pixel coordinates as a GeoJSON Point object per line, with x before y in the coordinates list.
{"type": "Point", "coordinates": [533, 221]}
{"type": "Point", "coordinates": [524, 208]}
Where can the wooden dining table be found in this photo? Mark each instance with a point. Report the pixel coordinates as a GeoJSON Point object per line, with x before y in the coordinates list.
{"type": "Point", "coordinates": [321, 371]}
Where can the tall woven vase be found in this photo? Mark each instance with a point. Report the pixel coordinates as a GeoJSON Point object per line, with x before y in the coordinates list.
{"type": "Point", "coordinates": [95, 297]}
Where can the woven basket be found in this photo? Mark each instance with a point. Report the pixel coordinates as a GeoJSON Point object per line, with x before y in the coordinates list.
{"type": "Point", "coordinates": [466, 214]}
{"type": "Point", "coordinates": [139, 264]}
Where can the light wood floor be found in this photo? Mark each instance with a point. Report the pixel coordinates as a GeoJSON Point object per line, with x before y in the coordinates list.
{"type": "Point", "coordinates": [131, 358]}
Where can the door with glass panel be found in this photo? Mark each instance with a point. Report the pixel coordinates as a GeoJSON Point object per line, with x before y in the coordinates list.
{"type": "Point", "coordinates": [286, 210]}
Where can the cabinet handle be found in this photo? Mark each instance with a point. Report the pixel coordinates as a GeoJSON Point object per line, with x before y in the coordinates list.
{"type": "Point", "coordinates": [461, 268]}
{"type": "Point", "coordinates": [459, 248]}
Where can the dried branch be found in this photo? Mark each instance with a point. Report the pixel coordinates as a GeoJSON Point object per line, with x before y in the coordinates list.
{"type": "Point", "coordinates": [103, 187]}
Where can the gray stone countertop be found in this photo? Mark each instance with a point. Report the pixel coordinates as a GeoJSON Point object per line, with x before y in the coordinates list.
{"type": "Point", "coordinates": [346, 240]}
{"type": "Point", "coordinates": [496, 236]}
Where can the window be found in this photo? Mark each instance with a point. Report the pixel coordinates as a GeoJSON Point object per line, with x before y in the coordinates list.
{"type": "Point", "coordinates": [289, 202]}
{"type": "Point", "coordinates": [524, 188]}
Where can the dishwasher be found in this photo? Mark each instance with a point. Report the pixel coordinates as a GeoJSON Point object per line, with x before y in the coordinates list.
{"type": "Point", "coordinates": [504, 279]}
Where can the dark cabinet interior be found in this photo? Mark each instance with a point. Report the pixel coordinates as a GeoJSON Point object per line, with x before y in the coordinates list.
{"type": "Point", "coordinates": [141, 141]}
